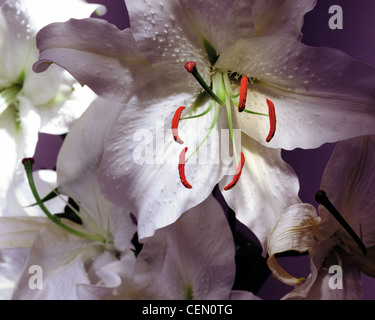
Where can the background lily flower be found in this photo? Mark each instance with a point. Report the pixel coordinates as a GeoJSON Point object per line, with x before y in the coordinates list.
{"type": "Point", "coordinates": [29, 102]}
{"type": "Point", "coordinates": [348, 181]}
{"type": "Point", "coordinates": [192, 258]}
{"type": "Point", "coordinates": [67, 261]}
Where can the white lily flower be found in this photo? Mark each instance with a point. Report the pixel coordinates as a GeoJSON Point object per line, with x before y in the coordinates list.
{"type": "Point", "coordinates": [316, 95]}
{"type": "Point", "coordinates": [348, 181]}
{"type": "Point", "coordinates": [65, 259]}
{"type": "Point", "coordinates": [30, 102]}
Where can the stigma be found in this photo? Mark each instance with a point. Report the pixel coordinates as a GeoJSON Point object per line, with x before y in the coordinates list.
{"type": "Point", "coordinates": [220, 93]}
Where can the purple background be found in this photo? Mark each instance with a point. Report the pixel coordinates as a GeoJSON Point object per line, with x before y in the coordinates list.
{"type": "Point", "coordinates": [357, 39]}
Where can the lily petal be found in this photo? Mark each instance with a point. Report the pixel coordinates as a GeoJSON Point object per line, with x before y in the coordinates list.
{"type": "Point", "coordinates": [59, 11]}
{"type": "Point", "coordinates": [118, 66]}
{"type": "Point", "coordinates": [188, 24]}
{"type": "Point", "coordinates": [349, 183]}
{"type": "Point", "coordinates": [280, 18]}
{"type": "Point", "coordinates": [176, 263]}
{"type": "Point", "coordinates": [320, 94]}
{"type": "Point", "coordinates": [60, 277]}
{"type": "Point", "coordinates": [19, 232]}
{"type": "Point", "coordinates": [267, 185]}
{"type": "Point", "coordinates": [8, 131]}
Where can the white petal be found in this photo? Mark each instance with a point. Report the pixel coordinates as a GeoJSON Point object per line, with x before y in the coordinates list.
{"type": "Point", "coordinates": [8, 132]}
{"type": "Point", "coordinates": [20, 196]}
{"type": "Point", "coordinates": [280, 18]}
{"type": "Point", "coordinates": [57, 117]}
{"type": "Point", "coordinates": [175, 30]}
{"type": "Point", "coordinates": [116, 66]}
{"type": "Point", "coordinates": [57, 253]}
{"type": "Point", "coordinates": [192, 258]}
{"type": "Point", "coordinates": [43, 12]}
{"type": "Point", "coordinates": [320, 94]}
{"type": "Point", "coordinates": [267, 186]}
{"type": "Point", "coordinates": [19, 232]}
{"type": "Point", "coordinates": [349, 183]}
{"type": "Point", "coordinates": [165, 35]}
{"type": "Point", "coordinates": [17, 41]}
{"type": "Point", "coordinates": [116, 282]}
{"type": "Point", "coordinates": [12, 262]}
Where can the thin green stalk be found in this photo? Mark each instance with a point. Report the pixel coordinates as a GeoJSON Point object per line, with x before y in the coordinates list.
{"type": "Point", "coordinates": [28, 163]}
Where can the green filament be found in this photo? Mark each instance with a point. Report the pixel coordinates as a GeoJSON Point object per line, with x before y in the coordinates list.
{"type": "Point", "coordinates": [208, 133]}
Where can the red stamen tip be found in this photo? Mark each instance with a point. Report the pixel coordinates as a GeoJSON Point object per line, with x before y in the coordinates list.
{"type": "Point", "coordinates": [237, 174]}
{"type": "Point", "coordinates": [181, 169]}
{"type": "Point", "coordinates": [272, 116]}
{"type": "Point", "coordinates": [190, 66]}
{"type": "Point", "coordinates": [243, 93]}
{"type": "Point", "coordinates": [175, 121]}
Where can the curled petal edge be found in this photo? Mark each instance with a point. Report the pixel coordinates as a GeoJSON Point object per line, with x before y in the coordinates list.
{"type": "Point", "coordinates": [281, 275]}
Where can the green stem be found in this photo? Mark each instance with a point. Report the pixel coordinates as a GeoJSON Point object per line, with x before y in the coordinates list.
{"type": "Point", "coordinates": [28, 164]}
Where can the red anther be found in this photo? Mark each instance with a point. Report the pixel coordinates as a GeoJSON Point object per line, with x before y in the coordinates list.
{"type": "Point", "coordinates": [190, 66]}
{"type": "Point", "coordinates": [175, 121]}
{"type": "Point", "coordinates": [181, 169]}
{"type": "Point", "coordinates": [272, 116]}
{"type": "Point", "coordinates": [243, 93]}
{"type": "Point", "coordinates": [237, 174]}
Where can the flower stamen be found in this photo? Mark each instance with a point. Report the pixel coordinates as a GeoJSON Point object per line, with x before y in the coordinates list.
{"type": "Point", "coordinates": [181, 169]}
{"type": "Point", "coordinates": [237, 174]}
{"type": "Point", "coordinates": [175, 121]}
{"type": "Point", "coordinates": [321, 197]}
{"type": "Point", "coordinates": [243, 93]}
{"type": "Point", "coordinates": [272, 116]}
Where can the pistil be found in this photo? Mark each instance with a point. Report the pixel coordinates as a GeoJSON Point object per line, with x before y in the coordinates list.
{"type": "Point", "coordinates": [191, 67]}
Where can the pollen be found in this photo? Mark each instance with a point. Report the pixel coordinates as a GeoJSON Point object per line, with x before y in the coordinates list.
{"type": "Point", "coordinates": [243, 93]}
{"type": "Point", "coordinates": [237, 174]}
{"type": "Point", "coordinates": [181, 169]}
{"type": "Point", "coordinates": [175, 121]}
{"type": "Point", "coordinates": [272, 116]}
